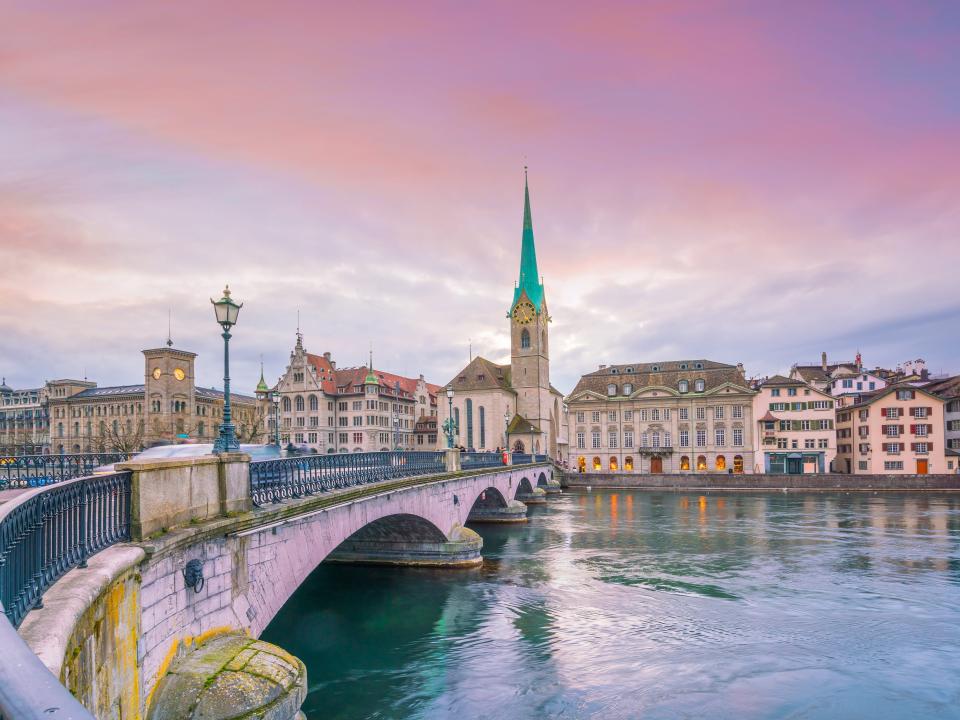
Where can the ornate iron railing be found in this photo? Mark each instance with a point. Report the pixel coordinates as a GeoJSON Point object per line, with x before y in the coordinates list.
{"type": "Point", "coordinates": [39, 470]}
{"type": "Point", "coordinates": [275, 480]}
{"type": "Point", "coordinates": [539, 458]}
{"type": "Point", "coordinates": [521, 458]}
{"type": "Point", "coordinates": [46, 532]}
{"type": "Point", "coordinates": [473, 460]}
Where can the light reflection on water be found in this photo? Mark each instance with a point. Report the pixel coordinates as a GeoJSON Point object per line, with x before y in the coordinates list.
{"type": "Point", "coordinates": [628, 604]}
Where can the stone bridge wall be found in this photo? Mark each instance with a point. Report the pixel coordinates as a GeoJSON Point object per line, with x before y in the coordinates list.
{"type": "Point", "coordinates": [717, 481]}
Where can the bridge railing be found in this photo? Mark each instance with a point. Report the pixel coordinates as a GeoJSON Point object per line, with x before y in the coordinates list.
{"type": "Point", "coordinates": [38, 470]}
{"type": "Point", "coordinates": [473, 460]}
{"type": "Point", "coordinates": [45, 533]}
{"type": "Point", "coordinates": [275, 480]}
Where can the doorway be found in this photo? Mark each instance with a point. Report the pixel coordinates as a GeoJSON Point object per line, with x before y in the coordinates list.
{"type": "Point", "coordinates": [922, 466]}
{"type": "Point", "coordinates": [656, 464]}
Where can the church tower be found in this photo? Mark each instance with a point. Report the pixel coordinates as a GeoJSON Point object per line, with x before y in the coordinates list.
{"type": "Point", "coordinates": [529, 345]}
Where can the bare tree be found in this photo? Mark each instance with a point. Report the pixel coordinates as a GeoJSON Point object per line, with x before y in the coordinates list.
{"type": "Point", "coordinates": [123, 438]}
{"type": "Point", "coordinates": [255, 429]}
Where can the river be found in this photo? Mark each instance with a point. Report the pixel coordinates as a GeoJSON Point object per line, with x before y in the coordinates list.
{"type": "Point", "coordinates": [630, 604]}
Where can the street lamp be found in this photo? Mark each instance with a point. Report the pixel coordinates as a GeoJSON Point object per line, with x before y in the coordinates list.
{"type": "Point", "coordinates": [226, 311]}
{"type": "Point", "coordinates": [276, 417]}
{"type": "Point", "coordinates": [450, 427]}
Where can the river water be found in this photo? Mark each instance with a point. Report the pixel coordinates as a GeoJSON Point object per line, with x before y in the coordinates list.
{"type": "Point", "coordinates": [627, 604]}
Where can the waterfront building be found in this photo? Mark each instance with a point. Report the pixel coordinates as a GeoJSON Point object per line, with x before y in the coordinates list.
{"type": "Point", "coordinates": [795, 427]}
{"type": "Point", "coordinates": [167, 408]}
{"type": "Point", "coordinates": [514, 405]}
{"type": "Point", "coordinates": [899, 430]}
{"type": "Point", "coordinates": [820, 375]}
{"type": "Point", "coordinates": [328, 409]}
{"type": "Point", "coordinates": [676, 416]}
{"type": "Point", "coordinates": [948, 389]}
{"type": "Point", "coordinates": [24, 425]}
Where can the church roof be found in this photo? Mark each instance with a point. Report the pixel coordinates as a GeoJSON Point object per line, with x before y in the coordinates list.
{"type": "Point", "coordinates": [529, 280]}
{"type": "Point", "coordinates": [520, 425]}
{"type": "Point", "coordinates": [482, 374]}
{"type": "Point", "coordinates": [666, 373]}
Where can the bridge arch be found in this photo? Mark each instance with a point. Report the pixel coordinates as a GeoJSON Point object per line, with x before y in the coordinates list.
{"type": "Point", "coordinates": [524, 487]}
{"type": "Point", "coordinates": [542, 480]}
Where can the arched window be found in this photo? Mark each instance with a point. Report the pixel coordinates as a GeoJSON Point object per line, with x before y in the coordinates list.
{"type": "Point", "coordinates": [286, 404]}
{"type": "Point", "coordinates": [582, 464]}
{"type": "Point", "coordinates": [685, 462]}
{"type": "Point", "coordinates": [611, 389]}
{"type": "Point", "coordinates": [738, 463]}
{"type": "Point", "coordinates": [613, 464]}
{"type": "Point", "coordinates": [597, 464]}
{"type": "Point", "coordinates": [628, 463]}
{"type": "Point", "coordinates": [683, 386]}
{"type": "Point", "coordinates": [59, 429]}
{"type": "Point", "coordinates": [525, 338]}
{"type": "Point", "coordinates": [483, 428]}
{"type": "Point", "coordinates": [456, 420]}
{"type": "Point", "coordinates": [314, 405]}
{"type": "Point", "coordinates": [721, 462]}
{"type": "Point", "coordinates": [469, 423]}
{"type": "Point", "coordinates": [701, 462]}
{"type": "Point", "coordinates": [627, 388]}
{"type": "Point", "coordinates": [299, 403]}
{"type": "Point", "coordinates": [699, 385]}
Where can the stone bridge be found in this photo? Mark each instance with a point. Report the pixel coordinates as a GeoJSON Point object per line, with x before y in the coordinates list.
{"type": "Point", "coordinates": [121, 632]}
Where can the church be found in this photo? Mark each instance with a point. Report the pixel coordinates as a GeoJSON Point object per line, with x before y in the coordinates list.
{"type": "Point", "coordinates": [514, 405]}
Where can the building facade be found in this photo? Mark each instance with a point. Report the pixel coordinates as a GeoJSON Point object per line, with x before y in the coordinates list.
{"type": "Point", "coordinates": [795, 428]}
{"type": "Point", "coordinates": [327, 409]}
{"type": "Point", "coordinates": [24, 424]}
{"type": "Point", "coordinates": [677, 416]}
{"type": "Point", "coordinates": [167, 408]}
{"type": "Point", "coordinates": [514, 405]}
{"type": "Point", "coordinates": [948, 389]}
{"type": "Point", "coordinates": [899, 431]}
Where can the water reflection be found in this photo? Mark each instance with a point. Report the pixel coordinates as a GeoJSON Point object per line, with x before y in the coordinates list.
{"type": "Point", "coordinates": [624, 604]}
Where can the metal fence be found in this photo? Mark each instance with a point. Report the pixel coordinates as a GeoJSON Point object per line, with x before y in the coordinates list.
{"type": "Point", "coordinates": [38, 470]}
{"type": "Point", "coordinates": [473, 460]}
{"type": "Point", "coordinates": [275, 480]}
{"type": "Point", "coordinates": [45, 533]}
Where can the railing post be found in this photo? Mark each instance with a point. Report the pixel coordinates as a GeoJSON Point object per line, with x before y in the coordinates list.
{"type": "Point", "coordinates": [452, 459]}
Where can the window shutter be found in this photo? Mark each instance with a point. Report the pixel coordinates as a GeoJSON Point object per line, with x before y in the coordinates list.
{"type": "Point", "coordinates": [883, 412]}
{"type": "Point", "coordinates": [930, 447]}
{"type": "Point", "coordinates": [913, 447]}
{"type": "Point", "coordinates": [883, 447]}
{"type": "Point", "coordinates": [929, 429]}
{"type": "Point", "coordinates": [901, 429]}
{"type": "Point", "coordinates": [913, 429]}
{"type": "Point", "coordinates": [929, 411]}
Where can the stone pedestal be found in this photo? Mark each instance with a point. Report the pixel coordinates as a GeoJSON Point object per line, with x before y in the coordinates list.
{"type": "Point", "coordinates": [537, 497]}
{"type": "Point", "coordinates": [452, 458]}
{"type": "Point", "coordinates": [553, 487]}
{"type": "Point", "coordinates": [461, 552]}
{"type": "Point", "coordinates": [514, 512]}
{"type": "Point", "coordinates": [229, 677]}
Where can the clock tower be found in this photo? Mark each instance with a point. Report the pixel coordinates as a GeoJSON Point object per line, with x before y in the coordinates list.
{"type": "Point", "coordinates": [170, 392]}
{"type": "Point", "coordinates": [535, 423]}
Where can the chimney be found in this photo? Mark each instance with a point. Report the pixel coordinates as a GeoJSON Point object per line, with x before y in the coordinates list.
{"type": "Point", "coordinates": [740, 370]}
{"type": "Point", "coordinates": [326, 356]}
{"type": "Point", "coordinates": [823, 360]}
{"type": "Point", "coordinates": [603, 367]}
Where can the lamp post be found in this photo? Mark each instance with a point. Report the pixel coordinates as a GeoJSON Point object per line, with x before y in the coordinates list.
{"type": "Point", "coordinates": [449, 427]}
{"type": "Point", "coordinates": [226, 312]}
{"type": "Point", "coordinates": [276, 417]}
{"type": "Point", "coordinates": [506, 427]}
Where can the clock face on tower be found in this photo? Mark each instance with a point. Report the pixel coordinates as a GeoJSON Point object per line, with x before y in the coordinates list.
{"type": "Point", "coordinates": [179, 374]}
{"type": "Point", "coordinates": [157, 373]}
{"type": "Point", "coordinates": [524, 312]}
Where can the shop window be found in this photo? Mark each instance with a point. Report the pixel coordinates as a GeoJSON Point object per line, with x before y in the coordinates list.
{"type": "Point", "coordinates": [721, 462]}
{"type": "Point", "coordinates": [701, 462]}
{"type": "Point", "coordinates": [685, 462]}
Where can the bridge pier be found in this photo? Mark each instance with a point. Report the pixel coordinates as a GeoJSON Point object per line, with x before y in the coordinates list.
{"type": "Point", "coordinates": [536, 496]}
{"type": "Point", "coordinates": [513, 512]}
{"type": "Point", "coordinates": [461, 552]}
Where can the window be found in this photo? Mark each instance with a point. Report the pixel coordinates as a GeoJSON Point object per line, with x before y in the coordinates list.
{"type": "Point", "coordinates": [611, 389]}
{"type": "Point", "coordinates": [656, 439]}
{"type": "Point", "coordinates": [906, 394]}
{"type": "Point", "coordinates": [525, 338]}
{"type": "Point", "coordinates": [848, 383]}
{"type": "Point", "coordinates": [286, 404]}
{"type": "Point", "coordinates": [595, 439]}
{"type": "Point", "coordinates": [627, 388]}
{"type": "Point", "coordinates": [738, 437]}
{"type": "Point", "coordinates": [595, 416]}
{"type": "Point", "coordinates": [863, 465]}
{"type": "Point", "coordinates": [643, 414]}
{"type": "Point", "coordinates": [299, 403]}
{"type": "Point", "coordinates": [699, 385]}
{"type": "Point", "coordinates": [628, 438]}
{"type": "Point", "coordinates": [314, 405]}
{"type": "Point", "coordinates": [920, 412]}
{"type": "Point", "coordinates": [804, 424]}
{"type": "Point", "coordinates": [644, 440]}
{"type": "Point", "coordinates": [685, 462]}
{"type": "Point", "coordinates": [775, 392]}
{"type": "Point", "coordinates": [683, 386]}
{"type": "Point", "coordinates": [781, 443]}
{"type": "Point", "coordinates": [628, 461]}
{"type": "Point", "coordinates": [809, 444]}
{"type": "Point", "coordinates": [701, 462]}
{"type": "Point", "coordinates": [720, 436]}
{"type": "Point", "coordinates": [596, 464]}
{"type": "Point", "coordinates": [612, 416]}
{"type": "Point", "coordinates": [483, 428]}
{"type": "Point", "coordinates": [655, 415]}
{"type": "Point", "coordinates": [701, 413]}
{"type": "Point", "coordinates": [613, 439]}
{"type": "Point", "coordinates": [628, 415]}
{"type": "Point", "coordinates": [738, 412]}
{"type": "Point", "coordinates": [358, 437]}
{"type": "Point", "coordinates": [721, 462]}
{"type": "Point", "coordinates": [580, 416]}
{"type": "Point", "coordinates": [718, 412]}
{"type": "Point", "coordinates": [892, 430]}
{"type": "Point", "coordinates": [893, 412]}
{"type": "Point", "coordinates": [684, 413]}
{"type": "Point", "coordinates": [684, 438]}
{"type": "Point", "coordinates": [823, 443]}
{"type": "Point", "coordinates": [893, 464]}
{"type": "Point", "coordinates": [921, 448]}
{"type": "Point", "coordinates": [701, 438]}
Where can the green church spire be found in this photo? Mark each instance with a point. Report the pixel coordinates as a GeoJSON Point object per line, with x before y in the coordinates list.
{"type": "Point", "coordinates": [529, 274]}
{"type": "Point", "coordinates": [262, 385]}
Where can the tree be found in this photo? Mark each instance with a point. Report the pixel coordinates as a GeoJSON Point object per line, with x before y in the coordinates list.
{"type": "Point", "coordinates": [256, 429]}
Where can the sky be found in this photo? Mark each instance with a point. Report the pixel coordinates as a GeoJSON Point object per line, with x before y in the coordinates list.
{"type": "Point", "coordinates": [750, 182]}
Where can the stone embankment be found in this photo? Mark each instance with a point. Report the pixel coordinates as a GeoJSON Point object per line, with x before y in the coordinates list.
{"type": "Point", "coordinates": [760, 482]}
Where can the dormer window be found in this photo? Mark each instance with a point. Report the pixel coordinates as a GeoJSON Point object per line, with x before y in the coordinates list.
{"type": "Point", "coordinates": [481, 378]}
{"type": "Point", "coordinates": [683, 366]}
{"type": "Point", "coordinates": [629, 370]}
{"type": "Point", "coordinates": [614, 371]}
{"type": "Point", "coordinates": [699, 385]}
{"type": "Point", "coordinates": [698, 366]}
{"type": "Point", "coordinates": [655, 368]}
{"type": "Point", "coordinates": [627, 389]}
{"type": "Point", "coordinates": [683, 386]}
{"type": "Point", "coordinates": [611, 389]}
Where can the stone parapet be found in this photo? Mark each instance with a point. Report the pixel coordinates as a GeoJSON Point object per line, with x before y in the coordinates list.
{"type": "Point", "coordinates": [763, 482]}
